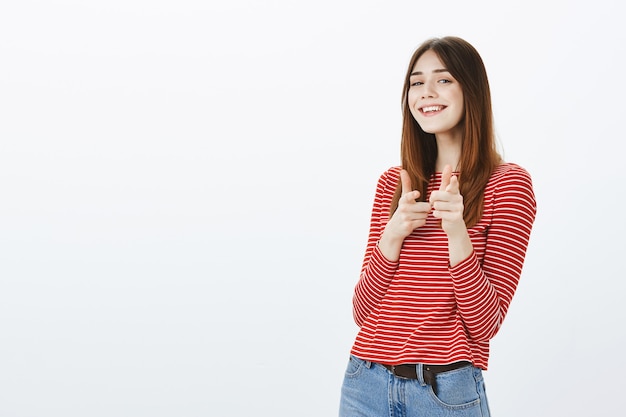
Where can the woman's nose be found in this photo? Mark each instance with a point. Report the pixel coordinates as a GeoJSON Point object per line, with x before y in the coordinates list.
{"type": "Point", "coordinates": [428, 91]}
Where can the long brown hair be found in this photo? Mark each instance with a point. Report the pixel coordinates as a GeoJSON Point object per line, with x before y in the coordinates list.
{"type": "Point", "coordinates": [479, 155]}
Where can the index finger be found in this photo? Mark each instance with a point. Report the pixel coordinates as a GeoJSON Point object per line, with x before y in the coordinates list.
{"type": "Point", "coordinates": [453, 187]}
{"type": "Point", "coordinates": [405, 181]}
{"type": "Point", "coordinates": [445, 177]}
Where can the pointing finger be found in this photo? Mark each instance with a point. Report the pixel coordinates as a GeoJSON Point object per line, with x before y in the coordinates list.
{"type": "Point", "coordinates": [445, 177]}
{"type": "Point", "coordinates": [453, 187]}
{"type": "Point", "coordinates": [406, 182]}
{"type": "Point", "coordinates": [407, 188]}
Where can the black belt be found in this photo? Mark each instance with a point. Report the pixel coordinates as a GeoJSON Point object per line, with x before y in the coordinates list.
{"type": "Point", "coordinates": [409, 371]}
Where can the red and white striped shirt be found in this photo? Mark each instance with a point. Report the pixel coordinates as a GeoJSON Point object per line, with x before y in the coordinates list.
{"type": "Point", "coordinates": [421, 310]}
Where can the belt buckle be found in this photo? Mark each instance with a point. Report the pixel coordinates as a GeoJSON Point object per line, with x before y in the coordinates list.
{"type": "Point", "coordinates": [393, 371]}
{"type": "Point", "coordinates": [430, 378]}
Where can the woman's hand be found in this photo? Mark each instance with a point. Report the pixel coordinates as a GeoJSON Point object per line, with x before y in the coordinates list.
{"type": "Point", "coordinates": [447, 204]}
{"type": "Point", "coordinates": [409, 215]}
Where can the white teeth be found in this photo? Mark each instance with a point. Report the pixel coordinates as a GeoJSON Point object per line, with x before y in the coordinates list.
{"type": "Point", "coordinates": [431, 108]}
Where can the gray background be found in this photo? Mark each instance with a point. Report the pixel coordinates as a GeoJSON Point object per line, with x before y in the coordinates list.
{"type": "Point", "coordinates": [185, 189]}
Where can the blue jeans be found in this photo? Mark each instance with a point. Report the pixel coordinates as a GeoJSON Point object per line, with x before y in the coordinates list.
{"type": "Point", "coordinates": [370, 390]}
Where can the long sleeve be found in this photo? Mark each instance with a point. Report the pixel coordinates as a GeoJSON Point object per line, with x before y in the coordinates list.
{"type": "Point", "coordinates": [484, 292]}
{"type": "Point", "coordinates": [376, 271]}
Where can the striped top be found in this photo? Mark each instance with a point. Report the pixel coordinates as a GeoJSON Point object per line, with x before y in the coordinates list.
{"type": "Point", "coordinates": [421, 310]}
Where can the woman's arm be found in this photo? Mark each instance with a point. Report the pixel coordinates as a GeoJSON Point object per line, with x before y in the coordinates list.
{"type": "Point", "coordinates": [386, 239]}
{"type": "Point", "coordinates": [376, 271]}
{"type": "Point", "coordinates": [484, 291]}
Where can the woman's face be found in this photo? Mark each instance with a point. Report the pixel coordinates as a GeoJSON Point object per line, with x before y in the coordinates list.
{"type": "Point", "coordinates": [435, 98]}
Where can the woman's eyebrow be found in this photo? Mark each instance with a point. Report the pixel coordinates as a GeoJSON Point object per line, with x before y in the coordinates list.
{"type": "Point", "coordinates": [434, 71]}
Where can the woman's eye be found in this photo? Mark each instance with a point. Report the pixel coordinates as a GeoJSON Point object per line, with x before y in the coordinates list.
{"type": "Point", "coordinates": [444, 81]}
{"type": "Point", "coordinates": [417, 83]}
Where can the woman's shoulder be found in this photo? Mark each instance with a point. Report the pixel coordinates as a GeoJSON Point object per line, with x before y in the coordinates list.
{"type": "Point", "coordinates": [388, 180]}
{"type": "Point", "coordinates": [511, 171]}
{"type": "Point", "coordinates": [512, 177]}
{"type": "Point", "coordinates": [394, 171]}
{"type": "Point", "coordinates": [391, 175]}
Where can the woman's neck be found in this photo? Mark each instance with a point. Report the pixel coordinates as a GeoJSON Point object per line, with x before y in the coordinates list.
{"type": "Point", "coordinates": [448, 153]}
{"type": "Point", "coordinates": [449, 148]}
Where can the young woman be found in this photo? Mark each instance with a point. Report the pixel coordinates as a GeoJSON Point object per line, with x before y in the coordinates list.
{"type": "Point", "coordinates": [448, 236]}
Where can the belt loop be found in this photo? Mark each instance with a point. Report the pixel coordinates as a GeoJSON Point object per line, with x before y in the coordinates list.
{"type": "Point", "coordinates": [368, 364]}
{"type": "Point", "coordinates": [420, 374]}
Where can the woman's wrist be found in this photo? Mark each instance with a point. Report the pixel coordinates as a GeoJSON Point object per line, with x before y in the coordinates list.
{"type": "Point", "coordinates": [390, 246]}
{"type": "Point", "coordinates": [459, 247]}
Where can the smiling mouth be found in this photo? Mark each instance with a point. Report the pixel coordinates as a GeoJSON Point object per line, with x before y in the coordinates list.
{"type": "Point", "coordinates": [431, 109]}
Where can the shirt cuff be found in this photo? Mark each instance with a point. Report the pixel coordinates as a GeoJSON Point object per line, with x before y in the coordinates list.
{"type": "Point", "coordinates": [380, 265]}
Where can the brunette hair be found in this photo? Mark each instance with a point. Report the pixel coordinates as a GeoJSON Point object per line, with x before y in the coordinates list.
{"type": "Point", "coordinates": [479, 155]}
